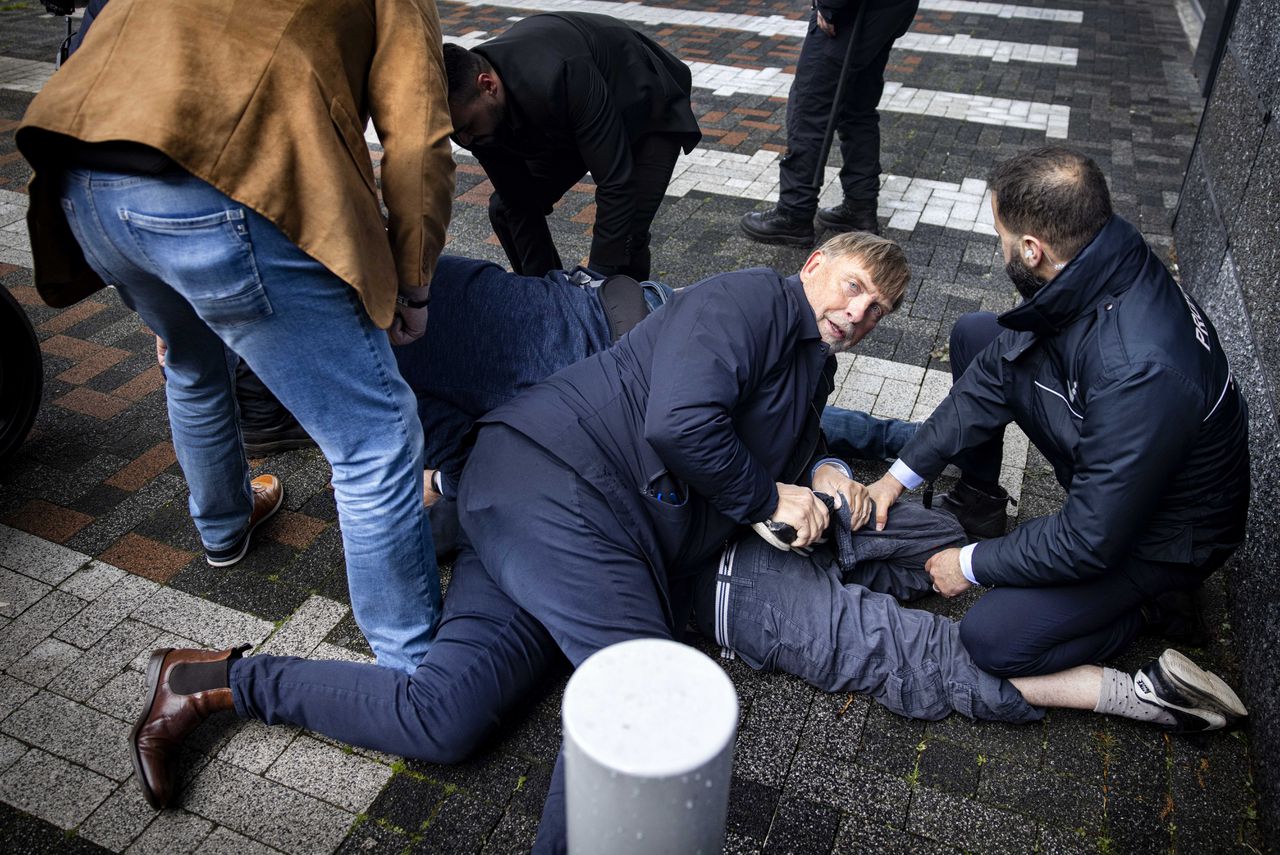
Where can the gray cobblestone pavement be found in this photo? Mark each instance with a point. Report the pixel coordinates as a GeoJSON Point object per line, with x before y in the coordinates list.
{"type": "Point", "coordinates": [99, 561]}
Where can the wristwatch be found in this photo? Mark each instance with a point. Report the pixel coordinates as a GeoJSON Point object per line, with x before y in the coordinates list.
{"type": "Point", "coordinates": [402, 300]}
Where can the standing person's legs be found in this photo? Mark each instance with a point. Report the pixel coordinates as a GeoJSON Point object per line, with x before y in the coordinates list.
{"type": "Point", "coordinates": [858, 128]}
{"type": "Point", "coordinates": [305, 334]}
{"type": "Point", "coordinates": [521, 226]}
{"type": "Point", "coordinates": [199, 371]}
{"type": "Point", "coordinates": [653, 158]}
{"type": "Point", "coordinates": [808, 111]}
{"type": "Point", "coordinates": [858, 124]}
{"type": "Point", "coordinates": [1014, 632]}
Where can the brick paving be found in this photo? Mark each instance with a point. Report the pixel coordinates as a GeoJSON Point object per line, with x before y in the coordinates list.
{"type": "Point", "coordinates": [99, 561]}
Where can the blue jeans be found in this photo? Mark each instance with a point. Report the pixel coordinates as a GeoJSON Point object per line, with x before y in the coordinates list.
{"type": "Point", "coordinates": [214, 279]}
{"type": "Point", "coordinates": [855, 434]}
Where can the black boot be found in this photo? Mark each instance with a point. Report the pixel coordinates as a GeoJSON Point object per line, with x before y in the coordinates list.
{"type": "Point", "coordinates": [776, 226]}
{"type": "Point", "coordinates": [265, 425]}
{"type": "Point", "coordinates": [1173, 615]}
{"type": "Point", "coordinates": [851, 215]}
{"type": "Point", "coordinates": [982, 515]}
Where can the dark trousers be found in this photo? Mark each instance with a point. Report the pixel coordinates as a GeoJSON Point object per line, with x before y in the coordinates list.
{"type": "Point", "coordinates": [969, 337]}
{"type": "Point", "coordinates": [1014, 632]}
{"type": "Point", "coordinates": [545, 573]}
{"type": "Point", "coordinates": [522, 227]}
{"type": "Point", "coordinates": [857, 122]}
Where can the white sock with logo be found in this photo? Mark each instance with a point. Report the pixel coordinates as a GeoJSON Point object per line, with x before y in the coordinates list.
{"type": "Point", "coordinates": [1117, 696]}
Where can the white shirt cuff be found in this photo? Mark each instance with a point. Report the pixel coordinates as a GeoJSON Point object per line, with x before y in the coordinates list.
{"type": "Point", "coordinates": [905, 476]}
{"type": "Point", "coordinates": [966, 562]}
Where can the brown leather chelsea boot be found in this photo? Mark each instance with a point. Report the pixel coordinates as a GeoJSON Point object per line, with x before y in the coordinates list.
{"type": "Point", "coordinates": [184, 687]}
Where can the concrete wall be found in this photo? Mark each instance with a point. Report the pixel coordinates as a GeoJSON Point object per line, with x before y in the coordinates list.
{"type": "Point", "coordinates": [1227, 235]}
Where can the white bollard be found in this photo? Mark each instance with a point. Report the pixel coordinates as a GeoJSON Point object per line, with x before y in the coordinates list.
{"type": "Point", "coordinates": [649, 727]}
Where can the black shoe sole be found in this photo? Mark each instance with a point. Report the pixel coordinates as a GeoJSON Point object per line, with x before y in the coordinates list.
{"type": "Point", "coordinates": [275, 446]}
{"type": "Point", "coordinates": [153, 686]}
{"type": "Point", "coordinates": [778, 238]}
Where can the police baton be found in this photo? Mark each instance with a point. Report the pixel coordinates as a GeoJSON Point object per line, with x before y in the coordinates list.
{"type": "Point", "coordinates": [820, 170]}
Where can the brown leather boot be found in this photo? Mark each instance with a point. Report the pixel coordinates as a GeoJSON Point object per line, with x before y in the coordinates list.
{"type": "Point", "coordinates": [169, 716]}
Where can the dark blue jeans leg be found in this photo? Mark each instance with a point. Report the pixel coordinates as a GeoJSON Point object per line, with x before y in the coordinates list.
{"type": "Point", "coordinates": [486, 658]}
{"type": "Point", "coordinates": [553, 543]}
{"type": "Point", "coordinates": [1016, 632]}
{"type": "Point", "coordinates": [971, 334]}
{"type": "Point", "coordinates": [855, 434]}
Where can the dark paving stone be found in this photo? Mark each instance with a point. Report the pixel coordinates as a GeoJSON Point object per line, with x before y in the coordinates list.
{"type": "Point", "coordinates": [23, 834]}
{"type": "Point", "coordinates": [751, 808]}
{"type": "Point", "coordinates": [372, 837]}
{"type": "Point", "coordinates": [492, 775]}
{"type": "Point", "coordinates": [1140, 824]}
{"type": "Point", "coordinates": [950, 766]}
{"type": "Point", "coordinates": [515, 833]}
{"type": "Point", "coordinates": [890, 742]}
{"type": "Point", "coordinates": [407, 802]}
{"type": "Point", "coordinates": [461, 824]}
{"type": "Point", "coordinates": [1053, 798]}
{"type": "Point", "coordinates": [959, 822]}
{"type": "Point", "coordinates": [858, 834]}
{"type": "Point", "coordinates": [802, 826]}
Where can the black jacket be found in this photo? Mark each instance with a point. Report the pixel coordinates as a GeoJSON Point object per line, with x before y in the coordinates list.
{"type": "Point", "coordinates": [590, 84]}
{"type": "Point", "coordinates": [1117, 377]}
{"type": "Point", "coordinates": [709, 401]}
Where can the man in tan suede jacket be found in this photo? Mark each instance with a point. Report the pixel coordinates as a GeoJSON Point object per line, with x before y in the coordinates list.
{"type": "Point", "coordinates": [207, 159]}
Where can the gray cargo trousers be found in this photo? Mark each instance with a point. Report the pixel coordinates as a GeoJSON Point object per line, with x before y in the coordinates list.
{"type": "Point", "coordinates": [818, 617]}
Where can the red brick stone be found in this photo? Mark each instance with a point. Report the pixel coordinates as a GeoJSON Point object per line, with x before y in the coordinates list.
{"type": "Point", "coordinates": [478, 195]}
{"type": "Point", "coordinates": [93, 365]}
{"type": "Point", "coordinates": [143, 556]}
{"type": "Point", "coordinates": [294, 529]}
{"type": "Point", "coordinates": [68, 318]}
{"type": "Point", "coordinates": [586, 215]}
{"type": "Point", "coordinates": [24, 294]}
{"type": "Point", "coordinates": [69, 348]}
{"type": "Point", "coordinates": [52, 522]}
{"type": "Point", "coordinates": [141, 386]}
{"type": "Point", "coordinates": [91, 403]}
{"type": "Point", "coordinates": [734, 138]}
{"type": "Point", "coordinates": [138, 473]}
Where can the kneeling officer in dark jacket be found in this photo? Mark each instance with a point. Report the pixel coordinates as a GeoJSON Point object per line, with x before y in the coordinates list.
{"type": "Point", "coordinates": [1118, 378]}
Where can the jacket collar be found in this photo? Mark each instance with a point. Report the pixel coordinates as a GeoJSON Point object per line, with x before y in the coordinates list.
{"type": "Point", "coordinates": [1107, 266]}
{"type": "Point", "coordinates": [808, 323]}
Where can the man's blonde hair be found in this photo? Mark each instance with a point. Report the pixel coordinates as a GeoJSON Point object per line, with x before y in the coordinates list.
{"type": "Point", "coordinates": [884, 260]}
